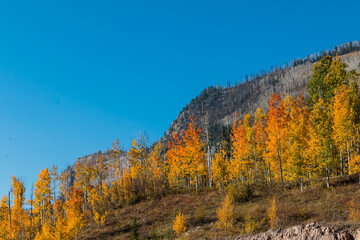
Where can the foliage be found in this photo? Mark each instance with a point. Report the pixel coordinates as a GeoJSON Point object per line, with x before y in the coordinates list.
{"type": "Point", "coordinates": [225, 214]}
{"type": "Point", "coordinates": [134, 229]}
{"type": "Point", "coordinates": [179, 224]}
{"type": "Point", "coordinates": [273, 214]}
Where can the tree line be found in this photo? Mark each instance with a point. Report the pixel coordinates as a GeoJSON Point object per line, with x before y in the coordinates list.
{"type": "Point", "coordinates": [297, 139]}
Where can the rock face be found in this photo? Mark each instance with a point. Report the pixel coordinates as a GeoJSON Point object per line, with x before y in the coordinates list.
{"type": "Point", "coordinates": [311, 231]}
{"type": "Point", "coordinates": [92, 159]}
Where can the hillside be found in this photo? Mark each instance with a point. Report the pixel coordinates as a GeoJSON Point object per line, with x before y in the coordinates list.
{"type": "Point", "coordinates": [315, 204]}
{"type": "Point", "coordinates": [297, 162]}
{"type": "Point", "coordinates": [218, 104]}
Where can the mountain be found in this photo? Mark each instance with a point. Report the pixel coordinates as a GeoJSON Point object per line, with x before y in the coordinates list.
{"type": "Point", "coordinates": [216, 105]}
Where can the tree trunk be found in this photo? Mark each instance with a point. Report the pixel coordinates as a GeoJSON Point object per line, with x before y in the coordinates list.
{"type": "Point", "coordinates": [327, 177]}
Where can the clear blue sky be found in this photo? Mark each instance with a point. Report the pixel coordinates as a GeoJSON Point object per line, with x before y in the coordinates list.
{"type": "Point", "coordinates": [76, 75]}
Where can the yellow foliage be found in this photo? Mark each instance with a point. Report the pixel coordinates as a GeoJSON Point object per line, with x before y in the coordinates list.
{"type": "Point", "coordinates": [4, 218]}
{"type": "Point", "coordinates": [273, 214]}
{"type": "Point", "coordinates": [225, 214]}
{"type": "Point", "coordinates": [46, 233]}
{"type": "Point", "coordinates": [179, 224]}
{"type": "Point", "coordinates": [250, 224]}
{"type": "Point", "coordinates": [354, 210]}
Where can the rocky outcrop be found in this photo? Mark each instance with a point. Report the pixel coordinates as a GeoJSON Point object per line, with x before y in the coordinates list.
{"type": "Point", "coordinates": [310, 231]}
{"type": "Point", "coordinates": [91, 159]}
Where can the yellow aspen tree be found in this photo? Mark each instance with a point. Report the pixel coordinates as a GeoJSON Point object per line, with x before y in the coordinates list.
{"type": "Point", "coordinates": [100, 170]}
{"type": "Point", "coordinates": [118, 168]}
{"type": "Point", "coordinates": [46, 232]}
{"type": "Point", "coordinates": [156, 165]}
{"type": "Point", "coordinates": [296, 129]}
{"type": "Point", "coordinates": [64, 182]}
{"type": "Point", "coordinates": [259, 127]}
{"type": "Point", "coordinates": [136, 164]}
{"type": "Point", "coordinates": [43, 197]}
{"type": "Point", "coordinates": [127, 184]}
{"type": "Point", "coordinates": [320, 151]}
{"type": "Point", "coordinates": [344, 127]}
{"type": "Point", "coordinates": [179, 224]}
{"type": "Point", "coordinates": [251, 149]}
{"type": "Point", "coordinates": [19, 218]}
{"type": "Point", "coordinates": [84, 174]}
{"type": "Point", "coordinates": [74, 214]}
{"type": "Point", "coordinates": [225, 214]}
{"type": "Point", "coordinates": [60, 228]}
{"type": "Point", "coordinates": [220, 167]}
{"type": "Point", "coordinates": [194, 154]}
{"type": "Point", "coordinates": [99, 201]}
{"type": "Point", "coordinates": [116, 154]}
{"type": "Point", "coordinates": [4, 218]}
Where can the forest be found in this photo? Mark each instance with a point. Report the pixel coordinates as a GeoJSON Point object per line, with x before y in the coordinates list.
{"type": "Point", "coordinates": [297, 139]}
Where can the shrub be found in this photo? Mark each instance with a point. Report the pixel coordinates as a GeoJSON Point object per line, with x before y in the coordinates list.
{"type": "Point", "coordinates": [225, 214]}
{"type": "Point", "coordinates": [242, 193]}
{"type": "Point", "coordinates": [273, 214]}
{"type": "Point", "coordinates": [134, 229]}
{"type": "Point", "coordinates": [354, 210]}
{"type": "Point", "coordinates": [179, 223]}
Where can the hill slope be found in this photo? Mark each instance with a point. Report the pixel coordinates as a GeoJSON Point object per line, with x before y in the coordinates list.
{"type": "Point", "coordinates": [218, 104]}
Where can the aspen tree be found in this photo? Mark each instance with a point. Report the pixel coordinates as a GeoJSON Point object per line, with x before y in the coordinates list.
{"type": "Point", "coordinates": [194, 155]}
{"type": "Point", "coordinates": [43, 197]}
{"type": "Point", "coordinates": [239, 164]}
{"type": "Point", "coordinates": [275, 132]}
{"type": "Point", "coordinates": [20, 219]}
{"type": "Point", "coordinates": [4, 218]}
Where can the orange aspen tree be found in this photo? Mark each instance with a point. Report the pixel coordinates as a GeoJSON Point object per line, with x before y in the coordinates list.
{"type": "Point", "coordinates": [19, 221]}
{"type": "Point", "coordinates": [275, 132]}
{"type": "Point", "coordinates": [173, 157]}
{"type": "Point", "coordinates": [239, 164]}
{"type": "Point", "coordinates": [194, 154]}
{"type": "Point", "coordinates": [84, 174]}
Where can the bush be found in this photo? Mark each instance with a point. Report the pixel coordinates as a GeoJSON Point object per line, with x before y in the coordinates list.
{"type": "Point", "coordinates": [225, 214]}
{"type": "Point", "coordinates": [273, 214]}
{"type": "Point", "coordinates": [354, 209]}
{"type": "Point", "coordinates": [242, 193]}
{"type": "Point", "coordinates": [179, 223]}
{"type": "Point", "coordinates": [134, 229]}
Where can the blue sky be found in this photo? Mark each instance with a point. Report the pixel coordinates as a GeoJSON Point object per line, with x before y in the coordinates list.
{"type": "Point", "coordinates": [77, 75]}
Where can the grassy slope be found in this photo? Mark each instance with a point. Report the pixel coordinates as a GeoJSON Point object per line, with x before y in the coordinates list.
{"type": "Point", "coordinates": [315, 203]}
